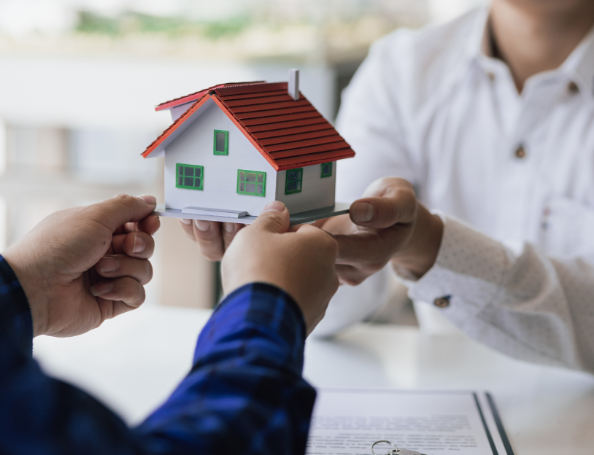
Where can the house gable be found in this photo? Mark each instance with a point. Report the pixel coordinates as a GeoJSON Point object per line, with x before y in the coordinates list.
{"type": "Point", "coordinates": [194, 146]}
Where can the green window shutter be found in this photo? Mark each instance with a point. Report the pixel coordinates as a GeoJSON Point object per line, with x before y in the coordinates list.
{"type": "Point", "coordinates": [294, 180]}
{"type": "Point", "coordinates": [327, 169]}
{"type": "Point", "coordinates": [251, 183]}
{"type": "Point", "coordinates": [189, 176]}
{"type": "Point", "coordinates": [220, 143]}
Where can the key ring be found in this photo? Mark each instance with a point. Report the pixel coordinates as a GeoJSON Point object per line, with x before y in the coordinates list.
{"type": "Point", "coordinates": [393, 451]}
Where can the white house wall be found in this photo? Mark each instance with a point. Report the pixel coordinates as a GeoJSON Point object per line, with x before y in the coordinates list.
{"type": "Point", "coordinates": [316, 192]}
{"type": "Point", "coordinates": [177, 111]}
{"type": "Point", "coordinates": [195, 146]}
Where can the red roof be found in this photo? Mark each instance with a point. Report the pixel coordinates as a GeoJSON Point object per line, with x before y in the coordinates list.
{"type": "Point", "coordinates": [288, 133]}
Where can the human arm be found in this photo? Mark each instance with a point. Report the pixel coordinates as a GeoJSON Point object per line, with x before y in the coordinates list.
{"type": "Point", "coordinates": [525, 303]}
{"type": "Point", "coordinates": [245, 391]}
{"type": "Point", "coordinates": [84, 265]}
{"type": "Point", "coordinates": [519, 301]}
{"type": "Point", "coordinates": [247, 371]}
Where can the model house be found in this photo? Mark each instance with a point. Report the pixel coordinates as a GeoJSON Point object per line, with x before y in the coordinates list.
{"type": "Point", "coordinates": [233, 148]}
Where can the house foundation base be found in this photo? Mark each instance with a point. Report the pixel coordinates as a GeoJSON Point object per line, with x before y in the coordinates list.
{"type": "Point", "coordinates": [340, 208]}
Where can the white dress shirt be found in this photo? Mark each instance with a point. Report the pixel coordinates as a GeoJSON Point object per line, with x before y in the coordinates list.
{"type": "Point", "coordinates": [512, 174]}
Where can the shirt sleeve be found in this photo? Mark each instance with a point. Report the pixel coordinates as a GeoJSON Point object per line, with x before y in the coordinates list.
{"type": "Point", "coordinates": [244, 394]}
{"type": "Point", "coordinates": [16, 325]}
{"type": "Point", "coordinates": [524, 304]}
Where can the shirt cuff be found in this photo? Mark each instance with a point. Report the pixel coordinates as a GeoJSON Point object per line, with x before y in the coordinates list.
{"type": "Point", "coordinates": [467, 275]}
{"type": "Point", "coordinates": [261, 311]}
{"type": "Point", "coordinates": [15, 314]}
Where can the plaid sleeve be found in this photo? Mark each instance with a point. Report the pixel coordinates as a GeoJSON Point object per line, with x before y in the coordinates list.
{"type": "Point", "coordinates": [15, 316]}
{"type": "Point", "coordinates": [245, 393]}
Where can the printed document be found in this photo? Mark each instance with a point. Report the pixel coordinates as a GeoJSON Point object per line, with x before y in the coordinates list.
{"type": "Point", "coordinates": [348, 421]}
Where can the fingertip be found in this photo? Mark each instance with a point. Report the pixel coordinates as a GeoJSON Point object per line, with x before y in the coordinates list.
{"type": "Point", "coordinates": [229, 228]}
{"type": "Point", "coordinates": [274, 206]}
{"type": "Point", "coordinates": [139, 245]}
{"type": "Point", "coordinates": [149, 199]}
{"type": "Point", "coordinates": [361, 212]}
{"type": "Point", "coordinates": [202, 225]}
{"type": "Point", "coordinates": [274, 218]}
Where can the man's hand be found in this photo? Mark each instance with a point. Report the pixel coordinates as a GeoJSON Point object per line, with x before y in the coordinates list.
{"type": "Point", "coordinates": [83, 265]}
{"type": "Point", "coordinates": [212, 237]}
{"type": "Point", "coordinates": [300, 262]}
{"type": "Point", "coordinates": [388, 224]}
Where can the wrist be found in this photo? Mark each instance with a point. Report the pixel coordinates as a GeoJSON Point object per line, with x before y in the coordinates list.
{"type": "Point", "coordinates": [420, 254]}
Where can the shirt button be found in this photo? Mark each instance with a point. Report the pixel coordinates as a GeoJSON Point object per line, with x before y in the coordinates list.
{"type": "Point", "coordinates": [573, 87]}
{"type": "Point", "coordinates": [520, 152]}
{"type": "Point", "coordinates": [491, 76]}
{"type": "Point", "coordinates": [442, 302]}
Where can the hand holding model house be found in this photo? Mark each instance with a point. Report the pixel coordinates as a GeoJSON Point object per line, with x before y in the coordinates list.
{"type": "Point", "coordinates": [234, 148]}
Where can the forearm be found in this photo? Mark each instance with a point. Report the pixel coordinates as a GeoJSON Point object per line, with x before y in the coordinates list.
{"type": "Point", "coordinates": [526, 305]}
{"type": "Point", "coordinates": [245, 391]}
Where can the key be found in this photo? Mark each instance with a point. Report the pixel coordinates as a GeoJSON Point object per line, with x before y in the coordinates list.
{"type": "Point", "coordinates": [394, 450]}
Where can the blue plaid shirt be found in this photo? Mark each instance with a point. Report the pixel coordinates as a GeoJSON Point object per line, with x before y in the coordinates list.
{"type": "Point", "coordinates": [244, 394]}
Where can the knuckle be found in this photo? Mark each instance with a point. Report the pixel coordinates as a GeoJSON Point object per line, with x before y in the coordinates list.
{"type": "Point", "coordinates": [141, 297]}
{"type": "Point", "coordinates": [124, 198]}
{"type": "Point", "coordinates": [149, 272]}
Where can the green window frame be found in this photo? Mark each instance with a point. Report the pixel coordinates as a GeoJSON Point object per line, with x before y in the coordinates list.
{"type": "Point", "coordinates": [189, 176]}
{"type": "Point", "coordinates": [251, 183]}
{"type": "Point", "coordinates": [220, 142]}
{"type": "Point", "coordinates": [294, 181]}
{"type": "Point", "coordinates": [327, 169]}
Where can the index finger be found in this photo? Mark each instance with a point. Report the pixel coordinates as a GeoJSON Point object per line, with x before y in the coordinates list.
{"type": "Point", "coordinates": [122, 209]}
{"type": "Point", "coordinates": [370, 247]}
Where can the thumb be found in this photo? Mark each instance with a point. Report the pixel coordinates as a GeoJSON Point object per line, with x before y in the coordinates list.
{"type": "Point", "coordinates": [122, 209]}
{"type": "Point", "coordinates": [274, 218]}
{"type": "Point", "coordinates": [391, 201]}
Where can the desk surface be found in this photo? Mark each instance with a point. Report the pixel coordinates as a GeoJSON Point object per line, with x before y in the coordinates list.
{"type": "Point", "coordinates": [133, 362]}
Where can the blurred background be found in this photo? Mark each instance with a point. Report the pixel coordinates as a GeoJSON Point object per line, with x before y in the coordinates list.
{"type": "Point", "coordinates": [79, 80]}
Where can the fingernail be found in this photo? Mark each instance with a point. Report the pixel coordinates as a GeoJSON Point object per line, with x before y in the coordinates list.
{"type": "Point", "coordinates": [202, 225]}
{"type": "Point", "coordinates": [228, 227]}
{"type": "Point", "coordinates": [139, 244]}
{"type": "Point", "coordinates": [152, 200]}
{"type": "Point", "coordinates": [362, 212]}
{"type": "Point", "coordinates": [101, 288]}
{"type": "Point", "coordinates": [108, 264]}
{"type": "Point", "coordinates": [185, 221]}
{"type": "Point", "coordinates": [274, 206]}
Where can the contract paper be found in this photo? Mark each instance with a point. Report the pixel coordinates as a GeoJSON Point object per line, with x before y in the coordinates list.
{"type": "Point", "coordinates": [433, 423]}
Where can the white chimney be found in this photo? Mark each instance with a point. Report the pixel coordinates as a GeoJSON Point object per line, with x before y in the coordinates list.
{"type": "Point", "coordinates": [294, 84]}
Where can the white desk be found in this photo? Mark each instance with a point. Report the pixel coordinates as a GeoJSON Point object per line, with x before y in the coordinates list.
{"type": "Point", "coordinates": [134, 361]}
